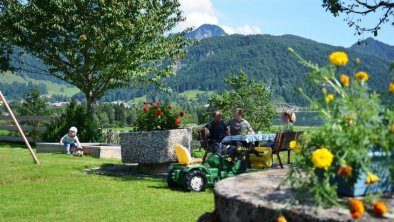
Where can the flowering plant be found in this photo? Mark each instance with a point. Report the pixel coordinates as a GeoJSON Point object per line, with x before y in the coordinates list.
{"type": "Point", "coordinates": [158, 116]}
{"type": "Point", "coordinates": [357, 120]}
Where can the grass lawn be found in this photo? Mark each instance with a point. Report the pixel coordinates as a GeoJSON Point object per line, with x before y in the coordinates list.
{"type": "Point", "coordinates": [57, 190]}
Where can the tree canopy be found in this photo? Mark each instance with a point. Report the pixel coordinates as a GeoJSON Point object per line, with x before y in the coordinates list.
{"type": "Point", "coordinates": [356, 10]}
{"type": "Point", "coordinates": [95, 45]}
{"type": "Point", "coordinates": [251, 96]}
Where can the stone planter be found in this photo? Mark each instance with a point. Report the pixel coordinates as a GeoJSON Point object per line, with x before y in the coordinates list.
{"type": "Point", "coordinates": [153, 147]}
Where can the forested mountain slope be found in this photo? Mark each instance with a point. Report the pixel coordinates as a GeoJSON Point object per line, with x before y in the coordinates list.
{"type": "Point", "coordinates": [265, 58]}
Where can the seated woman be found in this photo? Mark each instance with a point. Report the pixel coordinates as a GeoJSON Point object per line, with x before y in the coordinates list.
{"type": "Point", "coordinates": [288, 119]}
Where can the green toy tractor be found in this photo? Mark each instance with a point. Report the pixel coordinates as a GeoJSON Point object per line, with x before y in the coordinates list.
{"type": "Point", "coordinates": [227, 161]}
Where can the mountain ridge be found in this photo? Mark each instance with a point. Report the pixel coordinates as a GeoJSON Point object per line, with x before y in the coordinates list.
{"type": "Point", "coordinates": [265, 58]}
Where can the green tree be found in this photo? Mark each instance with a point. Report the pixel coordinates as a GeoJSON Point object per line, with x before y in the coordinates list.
{"type": "Point", "coordinates": [253, 97]}
{"type": "Point", "coordinates": [96, 45]}
{"type": "Point", "coordinates": [356, 9]}
{"type": "Point", "coordinates": [33, 104]}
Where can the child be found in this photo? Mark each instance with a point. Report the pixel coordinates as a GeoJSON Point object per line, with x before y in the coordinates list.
{"type": "Point", "coordinates": [70, 139]}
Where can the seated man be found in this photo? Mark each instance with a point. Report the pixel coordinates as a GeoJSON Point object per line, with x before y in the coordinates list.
{"type": "Point", "coordinates": [217, 130]}
{"type": "Point", "coordinates": [238, 125]}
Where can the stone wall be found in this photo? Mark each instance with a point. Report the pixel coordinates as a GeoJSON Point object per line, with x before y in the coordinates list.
{"type": "Point", "coordinates": [256, 197]}
{"type": "Point", "coordinates": [153, 147]}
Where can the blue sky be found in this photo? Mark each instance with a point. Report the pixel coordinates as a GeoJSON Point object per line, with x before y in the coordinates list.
{"type": "Point", "coordinates": [305, 18]}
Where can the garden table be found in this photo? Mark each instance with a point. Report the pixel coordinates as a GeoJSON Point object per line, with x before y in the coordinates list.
{"type": "Point", "coordinates": [250, 138]}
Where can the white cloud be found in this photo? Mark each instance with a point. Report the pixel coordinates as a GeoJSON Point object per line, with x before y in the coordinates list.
{"type": "Point", "coordinates": [197, 13]}
{"type": "Point", "coordinates": [243, 30]}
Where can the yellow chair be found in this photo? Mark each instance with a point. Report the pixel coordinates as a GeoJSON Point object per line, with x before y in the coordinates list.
{"type": "Point", "coordinates": [184, 157]}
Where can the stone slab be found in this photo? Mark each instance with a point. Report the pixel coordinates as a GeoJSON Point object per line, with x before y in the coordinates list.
{"type": "Point", "coordinates": [257, 197]}
{"type": "Point", "coordinates": [97, 150]}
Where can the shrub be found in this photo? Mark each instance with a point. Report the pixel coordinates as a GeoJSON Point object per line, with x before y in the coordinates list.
{"type": "Point", "coordinates": [89, 130]}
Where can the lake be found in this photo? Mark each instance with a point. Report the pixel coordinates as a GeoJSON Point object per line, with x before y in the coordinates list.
{"type": "Point", "coordinates": [303, 119]}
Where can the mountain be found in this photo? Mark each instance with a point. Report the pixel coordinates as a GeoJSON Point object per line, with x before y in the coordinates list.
{"type": "Point", "coordinates": [262, 57]}
{"type": "Point", "coordinates": [374, 47]}
{"type": "Point", "coordinates": [265, 58]}
{"type": "Point", "coordinates": [206, 31]}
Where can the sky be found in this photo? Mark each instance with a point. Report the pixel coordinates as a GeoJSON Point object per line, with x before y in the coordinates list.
{"type": "Point", "coordinates": [305, 18]}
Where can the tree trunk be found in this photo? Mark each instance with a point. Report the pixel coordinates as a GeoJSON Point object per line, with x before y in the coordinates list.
{"type": "Point", "coordinates": [89, 104]}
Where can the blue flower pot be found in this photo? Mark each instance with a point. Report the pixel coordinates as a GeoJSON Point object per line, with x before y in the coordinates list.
{"type": "Point", "coordinates": [359, 188]}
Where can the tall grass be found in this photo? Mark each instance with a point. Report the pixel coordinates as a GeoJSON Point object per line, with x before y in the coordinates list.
{"type": "Point", "coordinates": [58, 190]}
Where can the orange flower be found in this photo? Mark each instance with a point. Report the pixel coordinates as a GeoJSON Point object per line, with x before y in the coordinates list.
{"type": "Point", "coordinates": [380, 208]}
{"type": "Point", "coordinates": [356, 208]}
{"type": "Point", "coordinates": [177, 121]}
{"type": "Point", "coordinates": [361, 76]}
{"type": "Point", "coordinates": [391, 87]}
{"type": "Point", "coordinates": [146, 109]}
{"type": "Point", "coordinates": [345, 80]}
{"type": "Point", "coordinates": [345, 170]}
{"type": "Point", "coordinates": [281, 219]}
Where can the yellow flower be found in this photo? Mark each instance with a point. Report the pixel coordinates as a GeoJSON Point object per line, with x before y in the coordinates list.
{"type": "Point", "coordinates": [392, 128]}
{"type": "Point", "coordinates": [380, 208]}
{"type": "Point", "coordinates": [294, 146]}
{"type": "Point", "coordinates": [322, 158]}
{"type": "Point", "coordinates": [357, 208]}
{"type": "Point", "coordinates": [345, 80]}
{"type": "Point", "coordinates": [338, 58]}
{"type": "Point", "coordinates": [361, 76]}
{"type": "Point", "coordinates": [371, 178]}
{"type": "Point", "coordinates": [281, 219]}
{"type": "Point", "coordinates": [391, 87]}
{"type": "Point", "coordinates": [329, 98]}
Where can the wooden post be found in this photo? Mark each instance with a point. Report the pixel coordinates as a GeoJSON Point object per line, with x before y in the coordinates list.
{"type": "Point", "coordinates": [19, 128]}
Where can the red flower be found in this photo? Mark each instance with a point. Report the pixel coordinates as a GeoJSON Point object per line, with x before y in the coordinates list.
{"type": "Point", "coordinates": [146, 109]}
{"type": "Point", "coordinates": [159, 112]}
{"type": "Point", "coordinates": [155, 107]}
{"type": "Point", "coordinates": [145, 103]}
{"type": "Point", "coordinates": [151, 103]}
{"type": "Point", "coordinates": [158, 103]}
{"type": "Point", "coordinates": [181, 114]}
{"type": "Point", "coordinates": [169, 107]}
{"type": "Point", "coordinates": [177, 121]}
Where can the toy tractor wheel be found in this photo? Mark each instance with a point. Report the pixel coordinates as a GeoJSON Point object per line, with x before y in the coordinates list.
{"type": "Point", "coordinates": [171, 183]}
{"type": "Point", "coordinates": [196, 181]}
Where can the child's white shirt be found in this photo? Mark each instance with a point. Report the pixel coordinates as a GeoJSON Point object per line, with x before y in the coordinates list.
{"type": "Point", "coordinates": [71, 139]}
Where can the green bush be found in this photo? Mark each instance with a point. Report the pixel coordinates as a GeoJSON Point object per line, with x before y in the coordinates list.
{"type": "Point", "coordinates": [89, 129]}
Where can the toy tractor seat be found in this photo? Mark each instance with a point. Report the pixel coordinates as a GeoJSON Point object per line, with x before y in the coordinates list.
{"type": "Point", "coordinates": [184, 157]}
